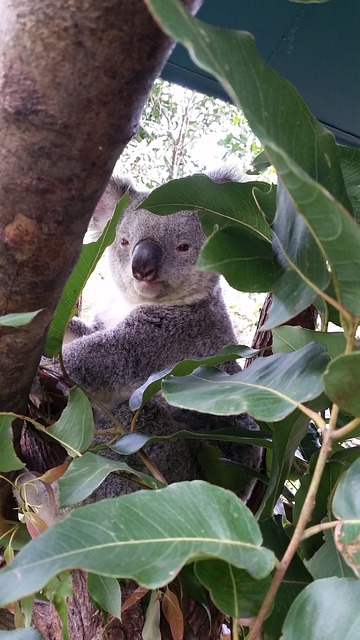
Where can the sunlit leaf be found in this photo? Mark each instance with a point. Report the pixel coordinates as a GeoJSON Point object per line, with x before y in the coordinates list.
{"type": "Point", "coordinates": [148, 536]}
{"type": "Point", "coordinates": [8, 459]}
{"type": "Point", "coordinates": [18, 319]}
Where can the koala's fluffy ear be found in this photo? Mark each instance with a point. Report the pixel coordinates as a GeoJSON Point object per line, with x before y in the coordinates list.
{"type": "Point", "coordinates": [225, 173]}
{"type": "Point", "coordinates": [114, 191]}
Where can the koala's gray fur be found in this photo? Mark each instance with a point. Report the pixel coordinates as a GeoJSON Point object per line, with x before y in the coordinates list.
{"type": "Point", "coordinates": [163, 311]}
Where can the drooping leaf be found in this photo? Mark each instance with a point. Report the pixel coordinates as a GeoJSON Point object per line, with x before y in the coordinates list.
{"type": "Point", "coordinates": [90, 255]}
{"type": "Point", "coordinates": [86, 473]}
{"type": "Point", "coordinates": [146, 535]}
{"type": "Point", "coordinates": [350, 163]}
{"type": "Point", "coordinates": [326, 609]}
{"type": "Point", "coordinates": [342, 382]}
{"type": "Point", "coordinates": [246, 261]}
{"type": "Point", "coordinates": [291, 295]}
{"type": "Point", "coordinates": [292, 338]}
{"type": "Point", "coordinates": [269, 390]}
{"type": "Point", "coordinates": [346, 506]}
{"type": "Point", "coordinates": [132, 442]}
{"type": "Point", "coordinates": [57, 590]}
{"type": "Point", "coordinates": [220, 205]}
{"type": "Point", "coordinates": [18, 319]}
{"type": "Point", "coordinates": [106, 593]}
{"type": "Point", "coordinates": [232, 590]}
{"type": "Point", "coordinates": [183, 368]}
{"type": "Point", "coordinates": [8, 458]}
{"type": "Point", "coordinates": [287, 435]}
{"type": "Point", "coordinates": [75, 427]}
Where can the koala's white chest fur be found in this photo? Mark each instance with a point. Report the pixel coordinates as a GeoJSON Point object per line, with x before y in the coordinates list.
{"type": "Point", "coordinates": [112, 308]}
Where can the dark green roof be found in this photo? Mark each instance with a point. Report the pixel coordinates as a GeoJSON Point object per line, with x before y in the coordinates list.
{"type": "Point", "coordinates": [315, 46]}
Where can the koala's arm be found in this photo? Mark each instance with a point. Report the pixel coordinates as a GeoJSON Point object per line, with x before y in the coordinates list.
{"type": "Point", "coordinates": [112, 363]}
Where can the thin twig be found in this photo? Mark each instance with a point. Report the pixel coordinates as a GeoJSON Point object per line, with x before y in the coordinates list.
{"type": "Point", "coordinates": [318, 528]}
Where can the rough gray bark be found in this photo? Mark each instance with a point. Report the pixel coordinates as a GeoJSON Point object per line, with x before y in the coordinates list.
{"type": "Point", "coordinates": [74, 78]}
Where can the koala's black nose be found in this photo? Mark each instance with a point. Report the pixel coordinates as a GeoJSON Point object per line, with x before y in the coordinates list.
{"type": "Point", "coordinates": [146, 259]}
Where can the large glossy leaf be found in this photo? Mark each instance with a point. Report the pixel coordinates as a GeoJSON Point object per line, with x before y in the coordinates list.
{"type": "Point", "coordinates": [90, 255]}
{"type": "Point", "coordinates": [86, 473]}
{"type": "Point", "coordinates": [269, 390]}
{"type": "Point", "coordinates": [342, 382]}
{"type": "Point", "coordinates": [183, 368]}
{"type": "Point", "coordinates": [223, 205]}
{"type": "Point", "coordinates": [8, 458]}
{"type": "Point", "coordinates": [346, 505]}
{"type": "Point", "coordinates": [301, 150]}
{"type": "Point", "coordinates": [350, 163]}
{"type": "Point", "coordinates": [291, 295]}
{"type": "Point", "coordinates": [146, 535]}
{"type": "Point", "coordinates": [292, 338]}
{"type": "Point", "coordinates": [232, 590]}
{"type": "Point", "coordinates": [246, 261]}
{"type": "Point", "coordinates": [75, 427]}
{"type": "Point", "coordinates": [326, 609]}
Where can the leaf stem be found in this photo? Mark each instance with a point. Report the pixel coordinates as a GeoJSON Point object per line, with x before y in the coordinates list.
{"type": "Point", "coordinates": [304, 517]}
{"type": "Point", "coordinates": [318, 528]}
{"type": "Point", "coordinates": [343, 432]}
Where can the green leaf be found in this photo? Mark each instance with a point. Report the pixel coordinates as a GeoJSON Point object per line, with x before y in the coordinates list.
{"type": "Point", "coordinates": [287, 435]}
{"type": "Point", "coordinates": [326, 609]}
{"type": "Point", "coordinates": [106, 593]}
{"type": "Point", "coordinates": [295, 580]}
{"type": "Point", "coordinates": [224, 473]}
{"type": "Point", "coordinates": [327, 561]}
{"type": "Point", "coordinates": [18, 319]}
{"type": "Point", "coordinates": [132, 442]}
{"type": "Point", "coordinates": [8, 459]}
{"type": "Point", "coordinates": [57, 590]}
{"type": "Point", "coordinates": [86, 473]}
{"type": "Point", "coordinates": [342, 382]}
{"type": "Point", "coordinates": [269, 389]}
{"type": "Point", "coordinates": [148, 536]}
{"type": "Point", "coordinates": [90, 255]}
{"type": "Point", "coordinates": [291, 296]}
{"type": "Point", "coordinates": [21, 634]}
{"type": "Point", "coordinates": [75, 427]}
{"type": "Point", "coordinates": [247, 262]}
{"type": "Point", "coordinates": [232, 590]}
{"type": "Point", "coordinates": [350, 163]}
{"type": "Point", "coordinates": [220, 205]}
{"type": "Point", "coordinates": [292, 338]}
{"type": "Point", "coordinates": [183, 368]}
{"type": "Point", "coordinates": [346, 506]}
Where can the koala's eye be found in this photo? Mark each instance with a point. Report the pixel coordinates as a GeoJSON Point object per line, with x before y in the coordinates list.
{"type": "Point", "coordinates": [124, 242]}
{"type": "Point", "coordinates": [182, 248]}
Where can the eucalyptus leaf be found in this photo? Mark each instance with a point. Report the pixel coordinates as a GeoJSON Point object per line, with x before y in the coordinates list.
{"type": "Point", "coordinates": [269, 389]}
{"type": "Point", "coordinates": [292, 338]}
{"type": "Point", "coordinates": [220, 205]}
{"type": "Point", "coordinates": [21, 634]}
{"type": "Point", "coordinates": [328, 608]}
{"type": "Point", "coordinates": [8, 458]}
{"type": "Point", "coordinates": [342, 382]}
{"type": "Point", "coordinates": [346, 506]}
{"type": "Point", "coordinates": [232, 590]}
{"type": "Point", "coordinates": [327, 561]}
{"type": "Point", "coordinates": [75, 427]}
{"type": "Point", "coordinates": [132, 442]}
{"type": "Point", "coordinates": [18, 319]}
{"type": "Point", "coordinates": [246, 261]}
{"type": "Point", "coordinates": [106, 593]}
{"type": "Point", "coordinates": [183, 368]}
{"type": "Point", "coordinates": [86, 473]}
{"type": "Point", "coordinates": [90, 255]}
{"type": "Point", "coordinates": [350, 163]}
{"type": "Point", "coordinates": [291, 295]}
{"type": "Point", "coordinates": [148, 536]}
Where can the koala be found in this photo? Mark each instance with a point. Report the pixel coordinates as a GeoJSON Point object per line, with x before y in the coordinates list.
{"type": "Point", "coordinates": [162, 311]}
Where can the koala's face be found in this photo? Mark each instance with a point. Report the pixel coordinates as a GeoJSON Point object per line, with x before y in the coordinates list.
{"type": "Point", "coordinates": [153, 258]}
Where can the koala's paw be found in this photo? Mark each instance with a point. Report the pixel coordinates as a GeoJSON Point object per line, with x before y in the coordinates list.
{"type": "Point", "coordinates": [76, 328]}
